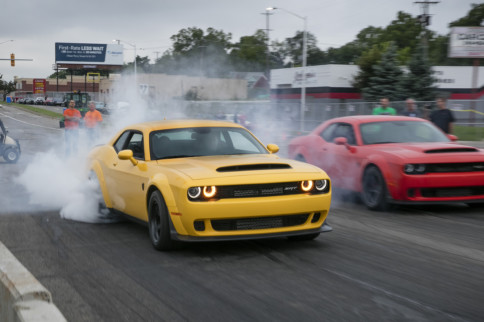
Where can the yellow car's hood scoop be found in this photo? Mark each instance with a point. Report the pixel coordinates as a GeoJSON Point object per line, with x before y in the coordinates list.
{"type": "Point", "coordinates": [252, 167]}
{"type": "Point", "coordinates": [227, 165]}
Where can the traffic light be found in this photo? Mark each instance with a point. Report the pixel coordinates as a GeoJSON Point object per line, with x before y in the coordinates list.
{"type": "Point", "coordinates": [12, 60]}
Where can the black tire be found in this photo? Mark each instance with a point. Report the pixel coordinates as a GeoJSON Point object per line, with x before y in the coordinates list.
{"type": "Point", "coordinates": [303, 237]}
{"type": "Point", "coordinates": [104, 213]}
{"type": "Point", "coordinates": [159, 227]}
{"type": "Point", "coordinates": [11, 155]}
{"type": "Point", "coordinates": [374, 192]}
{"type": "Point", "coordinates": [476, 204]}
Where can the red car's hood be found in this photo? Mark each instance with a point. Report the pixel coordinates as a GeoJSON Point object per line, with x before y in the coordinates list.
{"type": "Point", "coordinates": [235, 165]}
{"type": "Point", "coordinates": [435, 151]}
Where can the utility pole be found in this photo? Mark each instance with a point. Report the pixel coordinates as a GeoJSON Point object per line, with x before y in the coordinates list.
{"type": "Point", "coordinates": [267, 13]}
{"type": "Point", "coordinates": [425, 22]}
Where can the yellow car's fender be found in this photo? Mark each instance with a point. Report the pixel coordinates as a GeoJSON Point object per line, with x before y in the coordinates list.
{"type": "Point", "coordinates": [160, 182]}
{"type": "Point", "coordinates": [96, 168]}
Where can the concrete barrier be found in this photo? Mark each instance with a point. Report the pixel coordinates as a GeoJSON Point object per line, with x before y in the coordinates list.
{"type": "Point", "coordinates": [22, 297]}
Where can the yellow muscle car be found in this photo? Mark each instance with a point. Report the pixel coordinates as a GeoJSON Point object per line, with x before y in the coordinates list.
{"type": "Point", "coordinates": [199, 180]}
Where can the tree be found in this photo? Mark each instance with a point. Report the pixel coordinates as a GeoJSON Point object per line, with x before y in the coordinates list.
{"type": "Point", "coordinates": [196, 52]}
{"type": "Point", "coordinates": [367, 60]}
{"type": "Point", "coordinates": [474, 17]}
{"type": "Point", "coordinates": [6, 87]}
{"type": "Point", "coordinates": [385, 81]}
{"type": "Point", "coordinates": [142, 65]}
{"type": "Point", "coordinates": [418, 82]}
{"type": "Point", "coordinates": [250, 53]}
{"type": "Point", "coordinates": [293, 49]}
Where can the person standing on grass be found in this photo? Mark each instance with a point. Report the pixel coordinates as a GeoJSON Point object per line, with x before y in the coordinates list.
{"type": "Point", "coordinates": [442, 117]}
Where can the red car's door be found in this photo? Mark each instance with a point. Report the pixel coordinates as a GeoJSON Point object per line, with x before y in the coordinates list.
{"type": "Point", "coordinates": [341, 162]}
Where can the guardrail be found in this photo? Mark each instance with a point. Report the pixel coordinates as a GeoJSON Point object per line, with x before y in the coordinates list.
{"type": "Point", "coordinates": [22, 297]}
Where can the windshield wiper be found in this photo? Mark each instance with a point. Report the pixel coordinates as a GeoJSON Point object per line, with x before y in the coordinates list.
{"type": "Point", "coordinates": [384, 142]}
{"type": "Point", "coordinates": [177, 156]}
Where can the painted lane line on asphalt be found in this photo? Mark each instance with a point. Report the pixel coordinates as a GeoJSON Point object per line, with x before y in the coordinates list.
{"type": "Point", "coordinates": [45, 127]}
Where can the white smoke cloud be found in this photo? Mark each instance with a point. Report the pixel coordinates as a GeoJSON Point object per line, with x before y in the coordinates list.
{"type": "Point", "coordinates": [54, 181]}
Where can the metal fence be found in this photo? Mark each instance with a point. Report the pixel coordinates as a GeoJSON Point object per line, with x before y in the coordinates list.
{"type": "Point", "coordinates": [286, 115]}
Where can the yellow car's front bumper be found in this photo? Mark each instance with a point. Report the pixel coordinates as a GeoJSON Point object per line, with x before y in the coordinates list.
{"type": "Point", "coordinates": [249, 218]}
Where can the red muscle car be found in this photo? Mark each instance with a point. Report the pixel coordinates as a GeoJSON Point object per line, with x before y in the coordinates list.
{"type": "Point", "coordinates": [394, 159]}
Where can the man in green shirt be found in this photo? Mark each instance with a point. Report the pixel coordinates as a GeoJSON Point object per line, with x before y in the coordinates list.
{"type": "Point", "coordinates": [384, 108]}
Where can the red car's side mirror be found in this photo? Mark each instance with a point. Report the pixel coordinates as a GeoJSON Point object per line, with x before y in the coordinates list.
{"type": "Point", "coordinates": [452, 137]}
{"type": "Point", "coordinates": [340, 141]}
{"type": "Point", "coordinates": [343, 141]}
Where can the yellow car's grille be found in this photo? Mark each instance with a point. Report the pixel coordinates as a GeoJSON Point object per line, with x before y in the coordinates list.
{"type": "Point", "coordinates": [258, 222]}
{"type": "Point", "coordinates": [259, 190]}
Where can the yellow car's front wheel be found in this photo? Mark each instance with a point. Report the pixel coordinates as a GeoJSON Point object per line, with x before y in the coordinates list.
{"type": "Point", "coordinates": [159, 227]}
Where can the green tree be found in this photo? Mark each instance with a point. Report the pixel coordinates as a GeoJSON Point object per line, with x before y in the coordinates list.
{"type": "Point", "coordinates": [385, 81]}
{"type": "Point", "coordinates": [473, 18]}
{"type": "Point", "coordinates": [418, 82]}
{"type": "Point", "coordinates": [366, 61]}
{"type": "Point", "coordinates": [142, 65]}
{"type": "Point", "coordinates": [196, 52]}
{"type": "Point", "coordinates": [293, 49]}
{"type": "Point", "coordinates": [6, 87]}
{"type": "Point", "coordinates": [250, 53]}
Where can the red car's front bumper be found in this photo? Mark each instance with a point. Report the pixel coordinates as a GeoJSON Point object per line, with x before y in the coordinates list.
{"type": "Point", "coordinates": [439, 188]}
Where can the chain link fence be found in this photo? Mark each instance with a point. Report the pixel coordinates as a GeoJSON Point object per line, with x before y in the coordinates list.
{"type": "Point", "coordinates": [285, 116]}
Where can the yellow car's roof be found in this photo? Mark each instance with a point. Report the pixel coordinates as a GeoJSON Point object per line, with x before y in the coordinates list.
{"type": "Point", "coordinates": [173, 124]}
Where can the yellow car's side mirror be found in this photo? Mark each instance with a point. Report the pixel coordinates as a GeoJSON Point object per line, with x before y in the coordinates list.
{"type": "Point", "coordinates": [127, 155]}
{"type": "Point", "coordinates": [273, 148]}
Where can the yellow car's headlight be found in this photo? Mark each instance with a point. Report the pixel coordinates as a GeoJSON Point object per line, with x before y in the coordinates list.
{"type": "Point", "coordinates": [202, 193]}
{"type": "Point", "coordinates": [316, 186]}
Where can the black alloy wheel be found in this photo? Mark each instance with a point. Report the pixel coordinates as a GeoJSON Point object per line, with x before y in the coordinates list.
{"type": "Point", "coordinates": [159, 228]}
{"type": "Point", "coordinates": [374, 189]}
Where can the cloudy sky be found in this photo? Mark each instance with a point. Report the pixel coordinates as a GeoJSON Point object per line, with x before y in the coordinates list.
{"type": "Point", "coordinates": [35, 26]}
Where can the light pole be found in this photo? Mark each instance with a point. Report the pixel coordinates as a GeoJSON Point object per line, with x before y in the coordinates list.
{"type": "Point", "coordinates": [304, 61]}
{"type": "Point", "coordinates": [135, 72]}
{"type": "Point", "coordinates": [267, 13]}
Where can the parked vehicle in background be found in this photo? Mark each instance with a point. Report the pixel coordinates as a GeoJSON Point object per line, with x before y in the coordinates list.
{"type": "Point", "coordinates": [58, 101]}
{"type": "Point", "coordinates": [29, 100]}
{"type": "Point", "coordinates": [39, 101]}
{"type": "Point", "coordinates": [49, 101]}
{"type": "Point", "coordinates": [21, 100]}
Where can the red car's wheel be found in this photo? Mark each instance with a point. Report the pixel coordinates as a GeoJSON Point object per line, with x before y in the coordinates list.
{"type": "Point", "coordinates": [374, 189]}
{"type": "Point", "coordinates": [158, 223]}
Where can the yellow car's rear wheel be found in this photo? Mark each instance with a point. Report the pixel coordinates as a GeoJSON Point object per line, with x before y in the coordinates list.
{"type": "Point", "coordinates": [159, 227]}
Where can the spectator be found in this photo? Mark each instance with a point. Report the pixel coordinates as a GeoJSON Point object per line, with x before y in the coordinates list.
{"type": "Point", "coordinates": [72, 117]}
{"type": "Point", "coordinates": [384, 108]}
{"type": "Point", "coordinates": [411, 109]}
{"type": "Point", "coordinates": [92, 119]}
{"type": "Point", "coordinates": [442, 116]}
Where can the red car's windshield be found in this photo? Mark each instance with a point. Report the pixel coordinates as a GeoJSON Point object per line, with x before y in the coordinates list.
{"type": "Point", "coordinates": [401, 132]}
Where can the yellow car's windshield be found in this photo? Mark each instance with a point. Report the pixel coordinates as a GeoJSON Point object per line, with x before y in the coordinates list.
{"type": "Point", "coordinates": [202, 141]}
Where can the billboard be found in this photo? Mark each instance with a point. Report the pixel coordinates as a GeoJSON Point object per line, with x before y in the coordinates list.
{"type": "Point", "coordinates": [88, 54]}
{"type": "Point", "coordinates": [38, 85]}
{"type": "Point", "coordinates": [466, 42]}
